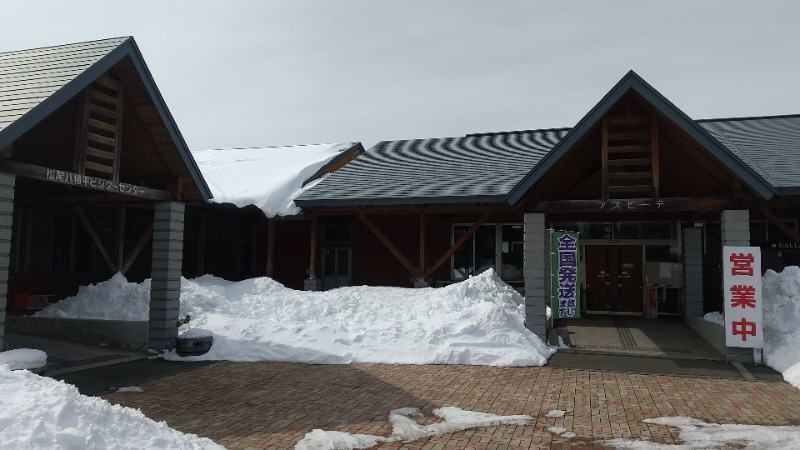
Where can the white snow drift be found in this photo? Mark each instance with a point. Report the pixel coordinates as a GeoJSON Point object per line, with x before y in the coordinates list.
{"type": "Point", "coordinates": [41, 413]}
{"type": "Point", "coordinates": [478, 321]}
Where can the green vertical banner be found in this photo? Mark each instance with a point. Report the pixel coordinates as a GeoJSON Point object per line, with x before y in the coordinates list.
{"type": "Point", "coordinates": [566, 275]}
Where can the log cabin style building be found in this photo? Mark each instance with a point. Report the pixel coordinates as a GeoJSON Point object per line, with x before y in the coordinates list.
{"type": "Point", "coordinates": [95, 179]}
{"type": "Point", "coordinates": [95, 176]}
{"type": "Point", "coordinates": [653, 194]}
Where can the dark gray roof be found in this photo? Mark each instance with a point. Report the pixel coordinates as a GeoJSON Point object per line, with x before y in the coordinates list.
{"type": "Point", "coordinates": [475, 168]}
{"type": "Point", "coordinates": [29, 77]}
{"type": "Point", "coordinates": [34, 83]}
{"type": "Point", "coordinates": [486, 168]}
{"type": "Point", "coordinates": [769, 145]}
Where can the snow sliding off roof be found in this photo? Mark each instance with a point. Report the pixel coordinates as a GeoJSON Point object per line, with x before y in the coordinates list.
{"type": "Point", "coordinates": [268, 177]}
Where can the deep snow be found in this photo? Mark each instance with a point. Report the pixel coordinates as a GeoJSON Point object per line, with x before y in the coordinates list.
{"type": "Point", "coordinates": [479, 321]}
{"type": "Point", "coordinates": [41, 413]}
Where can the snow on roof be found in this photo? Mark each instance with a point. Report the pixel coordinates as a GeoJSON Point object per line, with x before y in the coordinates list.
{"type": "Point", "coordinates": [267, 177]}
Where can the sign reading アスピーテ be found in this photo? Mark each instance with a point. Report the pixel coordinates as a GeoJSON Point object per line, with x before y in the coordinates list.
{"type": "Point", "coordinates": [742, 297]}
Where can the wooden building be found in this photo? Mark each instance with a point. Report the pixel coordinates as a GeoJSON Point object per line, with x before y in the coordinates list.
{"type": "Point", "coordinates": [94, 175]}
{"type": "Point", "coordinates": [646, 186]}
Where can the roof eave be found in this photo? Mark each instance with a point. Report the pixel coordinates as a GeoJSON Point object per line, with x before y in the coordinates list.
{"type": "Point", "coordinates": [633, 81]}
{"type": "Point", "coordinates": [398, 201]}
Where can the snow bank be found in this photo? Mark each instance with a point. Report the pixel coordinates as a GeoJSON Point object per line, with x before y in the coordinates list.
{"type": "Point", "coordinates": [479, 321]}
{"type": "Point", "coordinates": [267, 177]}
{"type": "Point", "coordinates": [715, 317]}
{"type": "Point", "coordinates": [23, 358]}
{"type": "Point", "coordinates": [782, 322]}
{"type": "Point", "coordinates": [41, 413]}
{"type": "Point", "coordinates": [114, 299]}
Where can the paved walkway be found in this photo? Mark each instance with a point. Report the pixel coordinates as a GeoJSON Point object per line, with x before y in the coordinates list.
{"type": "Point", "coordinates": [273, 405]}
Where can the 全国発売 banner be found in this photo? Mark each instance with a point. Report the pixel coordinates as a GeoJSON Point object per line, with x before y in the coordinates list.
{"type": "Point", "coordinates": [566, 275]}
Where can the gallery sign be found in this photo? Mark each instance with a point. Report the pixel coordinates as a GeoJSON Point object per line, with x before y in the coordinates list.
{"type": "Point", "coordinates": [742, 296]}
{"type": "Point", "coordinates": [566, 275]}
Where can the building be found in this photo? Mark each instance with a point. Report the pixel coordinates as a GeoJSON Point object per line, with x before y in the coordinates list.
{"type": "Point", "coordinates": [653, 194]}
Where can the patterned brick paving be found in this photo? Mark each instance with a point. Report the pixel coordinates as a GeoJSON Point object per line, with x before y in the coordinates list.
{"type": "Point", "coordinates": [273, 405]}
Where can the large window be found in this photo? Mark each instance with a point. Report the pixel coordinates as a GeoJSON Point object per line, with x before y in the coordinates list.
{"type": "Point", "coordinates": [498, 247]}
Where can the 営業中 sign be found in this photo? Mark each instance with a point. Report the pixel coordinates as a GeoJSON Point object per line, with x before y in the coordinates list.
{"type": "Point", "coordinates": [741, 280]}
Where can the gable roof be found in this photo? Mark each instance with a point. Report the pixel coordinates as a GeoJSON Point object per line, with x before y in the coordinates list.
{"type": "Point", "coordinates": [633, 82]}
{"type": "Point", "coordinates": [768, 145]}
{"type": "Point", "coordinates": [34, 83]}
{"type": "Point", "coordinates": [270, 177]}
{"type": "Point", "coordinates": [475, 168]}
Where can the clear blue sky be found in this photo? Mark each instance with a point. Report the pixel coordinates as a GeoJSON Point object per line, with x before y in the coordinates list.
{"type": "Point", "coordinates": [269, 73]}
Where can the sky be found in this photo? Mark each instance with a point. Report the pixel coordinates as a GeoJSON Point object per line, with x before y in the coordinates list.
{"type": "Point", "coordinates": [286, 72]}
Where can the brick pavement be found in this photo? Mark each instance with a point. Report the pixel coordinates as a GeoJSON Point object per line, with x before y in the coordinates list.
{"type": "Point", "coordinates": [273, 405]}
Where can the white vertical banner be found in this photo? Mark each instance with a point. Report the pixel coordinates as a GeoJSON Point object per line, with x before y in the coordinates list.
{"type": "Point", "coordinates": [741, 280]}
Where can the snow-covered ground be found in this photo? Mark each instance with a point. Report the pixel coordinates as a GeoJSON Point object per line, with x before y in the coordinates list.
{"type": "Point", "coordinates": [478, 321]}
{"type": "Point", "coordinates": [41, 413]}
{"type": "Point", "coordinates": [781, 322]}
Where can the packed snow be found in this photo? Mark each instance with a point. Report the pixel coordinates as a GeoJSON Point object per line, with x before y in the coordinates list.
{"type": "Point", "coordinates": [267, 177]}
{"type": "Point", "coordinates": [42, 413]}
{"type": "Point", "coordinates": [699, 435]}
{"type": "Point", "coordinates": [405, 429]}
{"type": "Point", "coordinates": [23, 358]}
{"type": "Point", "coordinates": [781, 296]}
{"type": "Point", "coordinates": [479, 321]}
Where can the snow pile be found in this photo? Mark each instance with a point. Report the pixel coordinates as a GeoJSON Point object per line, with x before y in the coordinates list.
{"type": "Point", "coordinates": [782, 322]}
{"type": "Point", "coordinates": [23, 358]}
{"type": "Point", "coordinates": [114, 299]}
{"type": "Point", "coordinates": [38, 412]}
{"type": "Point", "coordinates": [479, 321]}
{"type": "Point", "coordinates": [697, 434]}
{"type": "Point", "coordinates": [405, 429]}
{"type": "Point", "coordinates": [267, 177]}
{"type": "Point", "coordinates": [715, 317]}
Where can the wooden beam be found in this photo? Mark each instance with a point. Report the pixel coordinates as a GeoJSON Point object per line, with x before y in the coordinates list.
{"type": "Point", "coordinates": [388, 244]}
{"type": "Point", "coordinates": [458, 244]}
{"type": "Point", "coordinates": [119, 236]}
{"type": "Point", "coordinates": [637, 205]}
{"type": "Point", "coordinates": [654, 156]}
{"type": "Point", "coordinates": [787, 230]}
{"type": "Point", "coordinates": [66, 178]}
{"type": "Point", "coordinates": [313, 256]}
{"type": "Point", "coordinates": [137, 248]}
{"type": "Point", "coordinates": [422, 229]}
{"type": "Point", "coordinates": [270, 247]}
{"type": "Point", "coordinates": [604, 156]}
{"type": "Point", "coordinates": [96, 239]}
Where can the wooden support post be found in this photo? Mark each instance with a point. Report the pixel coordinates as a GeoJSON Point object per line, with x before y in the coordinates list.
{"type": "Point", "coordinates": [270, 247]}
{"type": "Point", "coordinates": [388, 244]}
{"type": "Point", "coordinates": [458, 244]}
{"type": "Point", "coordinates": [422, 228]}
{"type": "Point", "coordinates": [119, 236]}
{"type": "Point", "coordinates": [313, 256]}
{"type": "Point", "coordinates": [96, 239]}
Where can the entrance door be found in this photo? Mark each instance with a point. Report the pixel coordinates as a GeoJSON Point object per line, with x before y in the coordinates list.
{"type": "Point", "coordinates": [614, 278]}
{"type": "Point", "coordinates": [336, 264]}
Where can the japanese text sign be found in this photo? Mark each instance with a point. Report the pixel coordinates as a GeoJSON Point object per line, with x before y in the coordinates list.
{"type": "Point", "coordinates": [566, 275]}
{"type": "Point", "coordinates": [741, 278]}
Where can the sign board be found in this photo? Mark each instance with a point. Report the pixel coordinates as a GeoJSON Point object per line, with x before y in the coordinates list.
{"type": "Point", "coordinates": [566, 275]}
{"type": "Point", "coordinates": [741, 280]}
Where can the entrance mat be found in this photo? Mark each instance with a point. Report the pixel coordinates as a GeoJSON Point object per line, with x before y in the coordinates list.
{"type": "Point", "coordinates": [55, 363]}
{"type": "Point", "coordinates": [633, 348]}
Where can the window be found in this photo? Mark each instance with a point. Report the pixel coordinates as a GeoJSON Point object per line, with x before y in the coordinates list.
{"type": "Point", "coordinates": [498, 247]}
